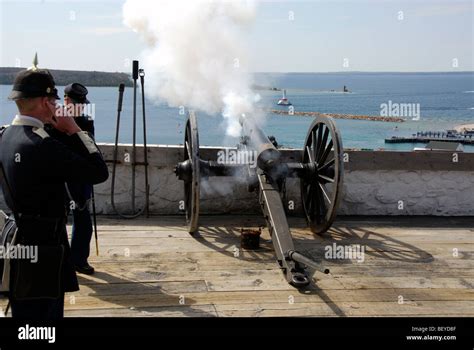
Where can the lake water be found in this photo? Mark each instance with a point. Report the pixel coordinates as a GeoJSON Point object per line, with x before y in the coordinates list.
{"type": "Point", "coordinates": [446, 100]}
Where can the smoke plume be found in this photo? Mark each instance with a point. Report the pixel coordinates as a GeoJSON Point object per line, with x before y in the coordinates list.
{"type": "Point", "coordinates": [196, 54]}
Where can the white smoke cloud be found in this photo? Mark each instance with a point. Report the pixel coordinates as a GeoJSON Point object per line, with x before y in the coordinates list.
{"type": "Point", "coordinates": [196, 54]}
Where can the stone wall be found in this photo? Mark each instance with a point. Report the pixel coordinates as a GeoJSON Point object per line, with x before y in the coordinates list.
{"type": "Point", "coordinates": [375, 183]}
{"type": "Point", "coordinates": [408, 183]}
{"type": "Point", "coordinates": [401, 192]}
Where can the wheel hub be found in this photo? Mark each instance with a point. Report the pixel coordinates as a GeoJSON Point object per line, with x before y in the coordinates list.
{"type": "Point", "coordinates": [184, 171]}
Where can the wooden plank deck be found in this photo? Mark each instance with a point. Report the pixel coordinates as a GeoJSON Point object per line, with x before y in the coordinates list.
{"type": "Point", "coordinates": [153, 267]}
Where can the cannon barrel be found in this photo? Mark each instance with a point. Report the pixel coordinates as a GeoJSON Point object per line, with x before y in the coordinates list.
{"type": "Point", "coordinates": [295, 256]}
{"type": "Point", "coordinates": [268, 157]}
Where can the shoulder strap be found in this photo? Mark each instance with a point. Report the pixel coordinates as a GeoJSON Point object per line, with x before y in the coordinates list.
{"type": "Point", "coordinates": [3, 180]}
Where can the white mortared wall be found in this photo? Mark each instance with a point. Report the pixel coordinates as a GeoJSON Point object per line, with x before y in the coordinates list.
{"type": "Point", "coordinates": [375, 183]}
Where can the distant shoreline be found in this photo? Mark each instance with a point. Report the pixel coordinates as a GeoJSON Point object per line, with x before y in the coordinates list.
{"type": "Point", "coordinates": [371, 73]}
{"type": "Point", "coordinates": [65, 77]}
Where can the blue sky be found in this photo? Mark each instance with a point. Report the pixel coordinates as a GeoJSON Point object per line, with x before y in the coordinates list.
{"type": "Point", "coordinates": [89, 35]}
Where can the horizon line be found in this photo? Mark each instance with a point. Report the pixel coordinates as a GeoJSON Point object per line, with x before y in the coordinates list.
{"type": "Point", "coordinates": [288, 72]}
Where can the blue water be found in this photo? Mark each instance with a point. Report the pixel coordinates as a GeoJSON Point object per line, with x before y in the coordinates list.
{"type": "Point", "coordinates": [446, 100]}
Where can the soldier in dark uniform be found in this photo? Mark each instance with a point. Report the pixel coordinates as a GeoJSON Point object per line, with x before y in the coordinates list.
{"type": "Point", "coordinates": [79, 194]}
{"type": "Point", "coordinates": [36, 167]}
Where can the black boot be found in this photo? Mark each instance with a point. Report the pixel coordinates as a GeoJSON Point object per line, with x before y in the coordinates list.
{"type": "Point", "coordinates": [85, 269]}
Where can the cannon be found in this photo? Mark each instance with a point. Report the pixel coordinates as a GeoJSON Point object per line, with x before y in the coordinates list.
{"type": "Point", "coordinates": [320, 172]}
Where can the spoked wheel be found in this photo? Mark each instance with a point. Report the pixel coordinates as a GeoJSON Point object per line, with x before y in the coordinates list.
{"type": "Point", "coordinates": [192, 184]}
{"type": "Point", "coordinates": [321, 183]}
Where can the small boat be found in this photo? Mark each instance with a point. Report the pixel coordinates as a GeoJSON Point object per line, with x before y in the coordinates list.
{"type": "Point", "coordinates": [284, 101]}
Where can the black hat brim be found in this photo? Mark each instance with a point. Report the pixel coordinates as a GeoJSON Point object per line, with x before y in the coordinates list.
{"type": "Point", "coordinates": [79, 100]}
{"type": "Point", "coordinates": [17, 95]}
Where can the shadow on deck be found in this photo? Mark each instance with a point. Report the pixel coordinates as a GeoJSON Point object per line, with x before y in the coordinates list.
{"type": "Point", "coordinates": [153, 267]}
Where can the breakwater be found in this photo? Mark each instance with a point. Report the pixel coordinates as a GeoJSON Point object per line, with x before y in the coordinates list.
{"type": "Point", "coordinates": [340, 116]}
{"type": "Point", "coordinates": [420, 139]}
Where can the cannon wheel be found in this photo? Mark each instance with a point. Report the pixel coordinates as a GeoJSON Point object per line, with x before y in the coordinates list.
{"type": "Point", "coordinates": [192, 188]}
{"type": "Point", "coordinates": [322, 183]}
